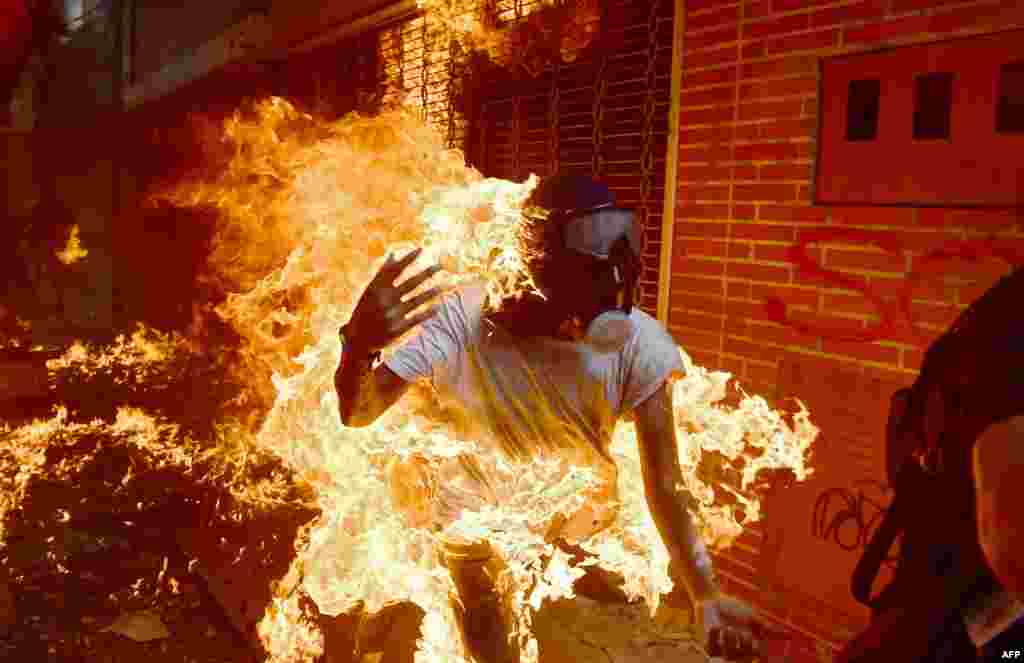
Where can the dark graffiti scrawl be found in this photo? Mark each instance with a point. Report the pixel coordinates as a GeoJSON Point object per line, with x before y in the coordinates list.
{"type": "Point", "coordinates": [848, 517]}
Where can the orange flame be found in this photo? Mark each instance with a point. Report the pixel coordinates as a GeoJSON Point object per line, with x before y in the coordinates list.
{"type": "Point", "coordinates": [309, 210]}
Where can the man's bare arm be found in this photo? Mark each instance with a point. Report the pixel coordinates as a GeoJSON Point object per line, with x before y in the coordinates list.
{"type": "Point", "coordinates": [659, 456]}
{"type": "Point", "coordinates": [364, 394]}
{"type": "Point", "coordinates": [999, 486]}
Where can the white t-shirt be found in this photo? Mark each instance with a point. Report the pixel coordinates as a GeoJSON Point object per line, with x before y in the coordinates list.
{"type": "Point", "coordinates": [540, 394]}
{"type": "Point", "coordinates": [512, 383]}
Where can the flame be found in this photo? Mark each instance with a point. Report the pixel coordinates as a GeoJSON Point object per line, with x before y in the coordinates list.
{"type": "Point", "coordinates": [568, 28]}
{"type": "Point", "coordinates": [73, 251]}
{"type": "Point", "coordinates": [309, 210]}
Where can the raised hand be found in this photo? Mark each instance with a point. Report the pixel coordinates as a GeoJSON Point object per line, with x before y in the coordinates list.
{"type": "Point", "coordinates": [381, 315]}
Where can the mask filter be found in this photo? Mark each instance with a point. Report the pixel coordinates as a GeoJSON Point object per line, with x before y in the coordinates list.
{"type": "Point", "coordinates": [609, 332]}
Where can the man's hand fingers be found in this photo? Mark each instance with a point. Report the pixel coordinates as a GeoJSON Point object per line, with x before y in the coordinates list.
{"type": "Point", "coordinates": [419, 300]}
{"type": "Point", "coordinates": [415, 321]}
{"type": "Point", "coordinates": [414, 282]}
{"type": "Point", "coordinates": [392, 267]}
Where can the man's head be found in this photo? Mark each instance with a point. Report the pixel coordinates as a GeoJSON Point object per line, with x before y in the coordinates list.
{"type": "Point", "coordinates": [580, 251]}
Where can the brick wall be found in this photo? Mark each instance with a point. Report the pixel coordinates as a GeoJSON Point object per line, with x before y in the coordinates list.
{"type": "Point", "coordinates": [749, 113]}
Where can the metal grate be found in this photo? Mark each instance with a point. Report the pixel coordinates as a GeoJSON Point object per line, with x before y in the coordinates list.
{"type": "Point", "coordinates": [423, 65]}
{"type": "Point", "coordinates": [605, 114]}
{"type": "Point", "coordinates": [510, 11]}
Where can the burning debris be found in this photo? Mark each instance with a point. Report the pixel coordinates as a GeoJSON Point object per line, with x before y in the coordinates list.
{"type": "Point", "coordinates": [227, 439]}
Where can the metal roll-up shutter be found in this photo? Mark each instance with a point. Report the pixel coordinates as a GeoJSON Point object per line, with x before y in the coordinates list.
{"type": "Point", "coordinates": [421, 62]}
{"type": "Point", "coordinates": [605, 114]}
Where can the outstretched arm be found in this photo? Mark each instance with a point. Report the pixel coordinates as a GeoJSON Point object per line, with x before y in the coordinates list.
{"type": "Point", "coordinates": [365, 394]}
{"type": "Point", "coordinates": [730, 627]}
{"type": "Point", "coordinates": [659, 456]}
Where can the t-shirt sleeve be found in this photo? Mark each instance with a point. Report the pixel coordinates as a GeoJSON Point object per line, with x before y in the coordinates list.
{"type": "Point", "coordinates": [435, 344]}
{"type": "Point", "coordinates": [651, 357]}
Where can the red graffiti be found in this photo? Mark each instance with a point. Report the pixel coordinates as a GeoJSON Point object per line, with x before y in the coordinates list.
{"type": "Point", "coordinates": [895, 319]}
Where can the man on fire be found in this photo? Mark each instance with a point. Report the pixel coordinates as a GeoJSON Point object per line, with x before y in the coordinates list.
{"type": "Point", "coordinates": [550, 369]}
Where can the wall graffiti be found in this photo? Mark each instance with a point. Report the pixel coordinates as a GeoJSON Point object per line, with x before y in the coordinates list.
{"type": "Point", "coordinates": [895, 319]}
{"type": "Point", "coordinates": [848, 518]}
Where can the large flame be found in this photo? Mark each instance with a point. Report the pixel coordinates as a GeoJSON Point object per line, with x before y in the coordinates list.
{"type": "Point", "coordinates": [309, 210]}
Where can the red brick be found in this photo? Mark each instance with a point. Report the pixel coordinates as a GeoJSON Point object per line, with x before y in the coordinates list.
{"type": "Point", "coordinates": [921, 241]}
{"type": "Point", "coordinates": [879, 354]}
{"type": "Point", "coordinates": [702, 212]}
{"type": "Point", "coordinates": [865, 260]}
{"type": "Point", "coordinates": [737, 290]}
{"type": "Point", "coordinates": [878, 32]}
{"type": "Point", "coordinates": [792, 5]}
{"type": "Point", "coordinates": [786, 171]}
{"type": "Point", "coordinates": [711, 58]}
{"type": "Point", "coordinates": [693, 174]}
{"type": "Point", "coordinates": [712, 134]}
{"type": "Point", "coordinates": [987, 220]}
{"type": "Point", "coordinates": [701, 230]}
{"type": "Point", "coordinates": [706, 154]}
{"type": "Point", "coordinates": [709, 77]}
{"type": "Point", "coordinates": [698, 266]}
{"type": "Point", "coordinates": [696, 248]}
{"type": "Point", "coordinates": [812, 41]}
{"type": "Point", "coordinates": [874, 216]}
{"type": "Point", "coordinates": [737, 308]}
{"type": "Point", "coordinates": [696, 6]}
{"type": "Point", "coordinates": [704, 193]}
{"type": "Point", "coordinates": [912, 358]}
{"type": "Point", "coordinates": [777, 26]}
{"type": "Point", "coordinates": [754, 272]}
{"type": "Point", "coordinates": [862, 11]}
{"type": "Point", "coordinates": [732, 365]}
{"type": "Point", "coordinates": [762, 373]}
{"type": "Point", "coordinates": [768, 192]}
{"type": "Point", "coordinates": [711, 115]}
{"type": "Point", "coordinates": [784, 66]}
{"type": "Point", "coordinates": [703, 303]}
{"type": "Point", "coordinates": [739, 251]}
{"type": "Point", "coordinates": [694, 338]}
{"type": "Point", "coordinates": [758, 9]}
{"type": "Point", "coordinates": [743, 173]}
{"type": "Point", "coordinates": [708, 97]}
{"type": "Point", "coordinates": [704, 358]}
{"type": "Point", "coordinates": [790, 295]}
{"type": "Point", "coordinates": [786, 87]}
{"type": "Point", "coordinates": [755, 50]}
{"type": "Point", "coordinates": [771, 332]}
{"type": "Point", "coordinates": [763, 231]}
{"type": "Point", "coordinates": [737, 327]}
{"type": "Point", "coordinates": [700, 320]}
{"type": "Point", "coordinates": [941, 315]}
{"type": "Point", "coordinates": [735, 346]}
{"type": "Point", "coordinates": [725, 16]}
{"type": "Point", "coordinates": [777, 130]}
{"type": "Point", "coordinates": [687, 283]}
{"type": "Point", "coordinates": [711, 38]}
{"type": "Point", "coordinates": [1009, 12]}
{"type": "Point", "coordinates": [791, 108]}
{"type": "Point", "coordinates": [899, 6]}
{"type": "Point", "coordinates": [857, 304]}
{"type": "Point", "coordinates": [742, 212]}
{"type": "Point", "coordinates": [780, 253]}
{"type": "Point", "coordinates": [767, 151]}
{"type": "Point", "coordinates": [795, 213]}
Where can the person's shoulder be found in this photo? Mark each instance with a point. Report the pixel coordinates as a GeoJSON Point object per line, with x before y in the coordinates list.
{"type": "Point", "coordinates": [647, 328]}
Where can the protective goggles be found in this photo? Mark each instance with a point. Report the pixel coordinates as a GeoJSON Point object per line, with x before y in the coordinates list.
{"type": "Point", "coordinates": [595, 231]}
